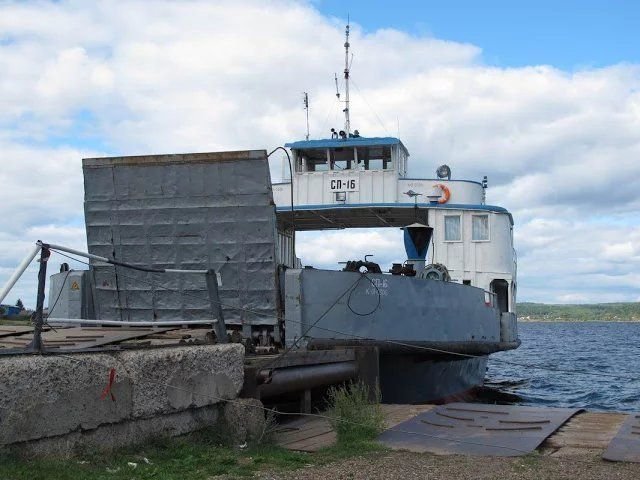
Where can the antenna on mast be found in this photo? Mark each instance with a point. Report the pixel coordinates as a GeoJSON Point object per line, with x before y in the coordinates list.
{"type": "Point", "coordinates": [337, 89]}
{"type": "Point", "coordinates": [347, 123]}
{"type": "Point", "coordinates": [306, 107]}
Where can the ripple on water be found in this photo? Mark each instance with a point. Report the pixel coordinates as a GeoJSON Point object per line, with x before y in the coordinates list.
{"type": "Point", "coordinates": [587, 350]}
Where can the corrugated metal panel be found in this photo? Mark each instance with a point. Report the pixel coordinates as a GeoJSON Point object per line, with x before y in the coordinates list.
{"type": "Point", "coordinates": [190, 211]}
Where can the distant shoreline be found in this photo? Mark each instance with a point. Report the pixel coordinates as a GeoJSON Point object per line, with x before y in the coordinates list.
{"type": "Point", "coordinates": [595, 312]}
{"type": "Point", "coordinates": [572, 320]}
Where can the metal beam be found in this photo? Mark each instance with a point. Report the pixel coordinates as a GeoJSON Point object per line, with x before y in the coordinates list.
{"type": "Point", "coordinates": [160, 323]}
{"type": "Point", "coordinates": [18, 272]}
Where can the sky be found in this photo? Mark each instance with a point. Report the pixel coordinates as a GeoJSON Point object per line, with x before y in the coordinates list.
{"type": "Point", "coordinates": [542, 97]}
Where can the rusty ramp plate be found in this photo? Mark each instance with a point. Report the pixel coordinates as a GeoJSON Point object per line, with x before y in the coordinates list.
{"type": "Point", "coordinates": [625, 446]}
{"type": "Point", "coordinates": [477, 429]}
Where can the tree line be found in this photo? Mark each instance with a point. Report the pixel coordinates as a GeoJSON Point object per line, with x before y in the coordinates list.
{"type": "Point", "coordinates": [581, 312]}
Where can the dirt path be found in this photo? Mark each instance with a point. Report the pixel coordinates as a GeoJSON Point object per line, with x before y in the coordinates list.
{"type": "Point", "coordinates": [406, 466]}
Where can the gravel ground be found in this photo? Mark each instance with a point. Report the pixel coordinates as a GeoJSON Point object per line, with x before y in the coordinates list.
{"type": "Point", "coordinates": [406, 466]}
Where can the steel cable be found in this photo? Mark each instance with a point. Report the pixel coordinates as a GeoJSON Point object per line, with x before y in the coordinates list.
{"type": "Point", "coordinates": [393, 342]}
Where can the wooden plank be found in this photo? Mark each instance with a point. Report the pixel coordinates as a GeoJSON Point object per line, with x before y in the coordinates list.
{"type": "Point", "coordinates": [83, 337]}
{"type": "Point", "coordinates": [587, 430]}
{"type": "Point", "coordinates": [309, 431]}
{"type": "Point", "coordinates": [310, 434]}
{"type": "Point", "coordinates": [8, 330]}
{"type": "Point", "coordinates": [314, 444]}
{"type": "Point", "coordinates": [396, 414]}
{"type": "Point", "coordinates": [14, 341]}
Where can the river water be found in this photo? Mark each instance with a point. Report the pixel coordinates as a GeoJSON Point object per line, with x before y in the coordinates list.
{"type": "Point", "coordinates": [575, 360]}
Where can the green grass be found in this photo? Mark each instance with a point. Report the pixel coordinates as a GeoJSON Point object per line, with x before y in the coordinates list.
{"type": "Point", "coordinates": [354, 416]}
{"type": "Point", "coordinates": [196, 456]}
{"type": "Point", "coordinates": [203, 455]}
{"type": "Point", "coordinates": [186, 458]}
{"type": "Point", "coordinates": [15, 321]}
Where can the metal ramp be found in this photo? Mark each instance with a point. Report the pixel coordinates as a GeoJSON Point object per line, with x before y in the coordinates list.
{"type": "Point", "coordinates": [625, 446]}
{"type": "Point", "coordinates": [80, 338]}
{"type": "Point", "coordinates": [477, 429]}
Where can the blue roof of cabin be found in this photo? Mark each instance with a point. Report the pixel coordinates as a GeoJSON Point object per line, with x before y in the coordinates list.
{"type": "Point", "coordinates": [347, 142]}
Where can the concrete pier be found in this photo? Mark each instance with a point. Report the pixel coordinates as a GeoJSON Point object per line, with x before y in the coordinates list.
{"type": "Point", "coordinates": [55, 403]}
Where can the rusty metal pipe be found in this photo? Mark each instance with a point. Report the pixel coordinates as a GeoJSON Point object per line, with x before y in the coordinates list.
{"type": "Point", "coordinates": [292, 379]}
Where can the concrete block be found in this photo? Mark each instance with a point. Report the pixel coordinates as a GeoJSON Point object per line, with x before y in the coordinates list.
{"type": "Point", "coordinates": [42, 396]}
{"type": "Point", "coordinates": [244, 420]}
{"type": "Point", "coordinates": [58, 396]}
{"type": "Point", "coordinates": [129, 432]}
{"type": "Point", "coordinates": [171, 379]}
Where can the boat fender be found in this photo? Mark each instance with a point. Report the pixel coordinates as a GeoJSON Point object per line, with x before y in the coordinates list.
{"type": "Point", "coordinates": [446, 194]}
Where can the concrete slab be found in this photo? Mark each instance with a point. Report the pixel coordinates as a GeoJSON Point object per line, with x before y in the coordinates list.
{"type": "Point", "coordinates": [172, 379]}
{"type": "Point", "coordinates": [57, 395]}
{"type": "Point", "coordinates": [48, 396]}
{"type": "Point", "coordinates": [113, 436]}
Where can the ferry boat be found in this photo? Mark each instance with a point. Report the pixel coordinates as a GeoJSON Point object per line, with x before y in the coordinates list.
{"type": "Point", "coordinates": [441, 310]}
{"type": "Point", "coordinates": [156, 222]}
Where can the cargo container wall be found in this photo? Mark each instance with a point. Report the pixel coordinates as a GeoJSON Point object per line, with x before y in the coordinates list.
{"type": "Point", "coordinates": [187, 211]}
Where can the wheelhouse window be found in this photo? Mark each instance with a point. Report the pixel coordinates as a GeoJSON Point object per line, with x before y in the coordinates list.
{"type": "Point", "coordinates": [480, 228]}
{"type": "Point", "coordinates": [366, 157]}
{"type": "Point", "coordinates": [375, 164]}
{"type": "Point", "coordinates": [452, 230]}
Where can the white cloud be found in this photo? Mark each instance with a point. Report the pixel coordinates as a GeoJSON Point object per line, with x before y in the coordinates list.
{"type": "Point", "coordinates": [89, 78]}
{"type": "Point", "coordinates": [326, 250]}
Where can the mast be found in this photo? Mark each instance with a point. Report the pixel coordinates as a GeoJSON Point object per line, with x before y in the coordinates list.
{"type": "Point", "coordinates": [347, 123]}
{"type": "Point", "coordinates": [306, 107]}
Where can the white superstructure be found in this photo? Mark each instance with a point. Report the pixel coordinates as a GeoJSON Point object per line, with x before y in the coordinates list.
{"type": "Point", "coordinates": [349, 181]}
{"type": "Point", "coordinates": [355, 182]}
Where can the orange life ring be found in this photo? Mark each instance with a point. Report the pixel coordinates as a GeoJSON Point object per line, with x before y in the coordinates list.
{"type": "Point", "coordinates": [445, 193]}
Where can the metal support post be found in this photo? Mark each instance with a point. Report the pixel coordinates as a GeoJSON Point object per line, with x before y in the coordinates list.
{"type": "Point", "coordinates": [38, 318]}
{"type": "Point", "coordinates": [305, 401]}
{"type": "Point", "coordinates": [212, 286]}
{"type": "Point", "coordinates": [368, 360]}
{"type": "Point", "coordinates": [18, 272]}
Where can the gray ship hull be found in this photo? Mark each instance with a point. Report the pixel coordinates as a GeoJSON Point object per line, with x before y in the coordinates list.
{"type": "Point", "coordinates": [415, 379]}
{"type": "Point", "coordinates": [434, 337]}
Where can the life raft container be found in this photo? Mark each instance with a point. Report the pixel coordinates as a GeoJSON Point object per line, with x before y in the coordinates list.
{"type": "Point", "coordinates": [446, 194]}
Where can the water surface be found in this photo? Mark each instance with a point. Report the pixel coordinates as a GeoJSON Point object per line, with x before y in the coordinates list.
{"type": "Point", "coordinates": [588, 351]}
